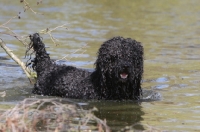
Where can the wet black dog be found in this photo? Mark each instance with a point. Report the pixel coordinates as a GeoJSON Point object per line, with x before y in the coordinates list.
{"type": "Point", "coordinates": [117, 76]}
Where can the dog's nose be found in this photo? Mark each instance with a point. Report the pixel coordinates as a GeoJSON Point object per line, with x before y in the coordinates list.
{"type": "Point", "coordinates": [126, 66]}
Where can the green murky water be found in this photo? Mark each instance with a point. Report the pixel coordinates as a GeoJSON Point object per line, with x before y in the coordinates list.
{"type": "Point", "coordinates": [169, 31]}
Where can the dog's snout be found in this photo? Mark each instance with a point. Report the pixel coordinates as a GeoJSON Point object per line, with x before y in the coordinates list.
{"type": "Point", "coordinates": [126, 66]}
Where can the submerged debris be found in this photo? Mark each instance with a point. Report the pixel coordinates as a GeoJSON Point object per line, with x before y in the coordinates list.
{"type": "Point", "coordinates": [50, 115]}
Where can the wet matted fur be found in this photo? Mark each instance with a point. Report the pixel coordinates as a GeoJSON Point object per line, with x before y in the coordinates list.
{"type": "Point", "coordinates": [117, 75]}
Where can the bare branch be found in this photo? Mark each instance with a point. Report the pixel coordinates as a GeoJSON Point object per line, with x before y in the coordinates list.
{"type": "Point", "coordinates": [16, 59]}
{"type": "Point", "coordinates": [49, 32]}
{"type": "Point", "coordinates": [27, 7]}
{"type": "Point", "coordinates": [22, 39]}
{"type": "Point", "coordinates": [10, 32]}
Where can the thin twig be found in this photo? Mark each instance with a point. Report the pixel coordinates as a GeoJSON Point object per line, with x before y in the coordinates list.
{"type": "Point", "coordinates": [27, 7]}
{"type": "Point", "coordinates": [65, 57]}
{"type": "Point", "coordinates": [8, 21]}
{"type": "Point", "coordinates": [22, 39]}
{"type": "Point", "coordinates": [12, 33]}
{"type": "Point", "coordinates": [49, 32]}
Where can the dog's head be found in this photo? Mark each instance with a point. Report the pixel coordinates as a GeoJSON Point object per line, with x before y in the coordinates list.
{"type": "Point", "coordinates": [120, 59]}
{"type": "Point", "coordinates": [120, 62]}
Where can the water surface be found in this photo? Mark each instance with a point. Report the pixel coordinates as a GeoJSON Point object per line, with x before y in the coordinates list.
{"type": "Point", "coordinates": [169, 31]}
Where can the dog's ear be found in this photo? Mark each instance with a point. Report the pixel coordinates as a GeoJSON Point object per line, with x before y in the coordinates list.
{"type": "Point", "coordinates": [140, 59]}
{"type": "Point", "coordinates": [102, 58]}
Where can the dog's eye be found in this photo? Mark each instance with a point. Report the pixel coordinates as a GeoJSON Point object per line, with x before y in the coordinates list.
{"type": "Point", "coordinates": [113, 59]}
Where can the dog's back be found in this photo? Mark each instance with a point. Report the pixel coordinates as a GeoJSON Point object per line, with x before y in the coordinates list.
{"type": "Point", "coordinates": [64, 81]}
{"type": "Point", "coordinates": [58, 80]}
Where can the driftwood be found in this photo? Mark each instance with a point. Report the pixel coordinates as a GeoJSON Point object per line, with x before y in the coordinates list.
{"type": "Point", "coordinates": [18, 61]}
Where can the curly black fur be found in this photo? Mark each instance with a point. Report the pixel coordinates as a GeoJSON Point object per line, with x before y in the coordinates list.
{"type": "Point", "coordinates": [118, 72]}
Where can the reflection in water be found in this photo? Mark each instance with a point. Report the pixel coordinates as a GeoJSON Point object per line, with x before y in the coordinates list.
{"type": "Point", "coordinates": [119, 114]}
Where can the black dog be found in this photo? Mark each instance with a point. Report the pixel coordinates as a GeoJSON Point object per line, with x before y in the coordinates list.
{"type": "Point", "coordinates": [117, 76]}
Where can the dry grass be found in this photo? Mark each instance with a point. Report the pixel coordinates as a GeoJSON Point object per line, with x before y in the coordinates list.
{"type": "Point", "coordinates": [50, 115]}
